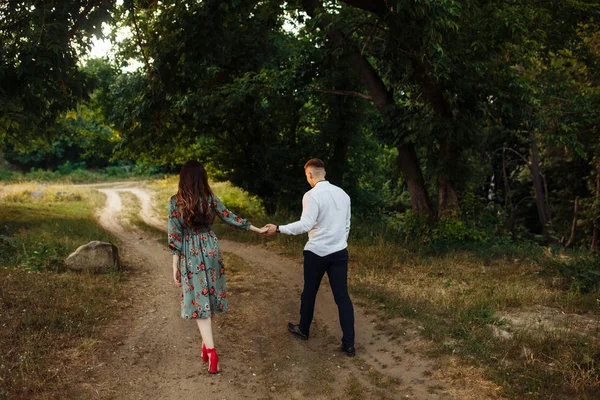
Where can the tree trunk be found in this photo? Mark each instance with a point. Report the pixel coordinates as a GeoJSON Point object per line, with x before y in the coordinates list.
{"type": "Point", "coordinates": [338, 163]}
{"type": "Point", "coordinates": [508, 204]}
{"type": "Point", "coordinates": [447, 196]}
{"type": "Point", "coordinates": [432, 92]}
{"type": "Point", "coordinates": [538, 186]}
{"type": "Point", "coordinates": [407, 159]}
{"type": "Point", "coordinates": [574, 225]}
{"type": "Point", "coordinates": [596, 235]}
{"type": "Point", "coordinates": [384, 102]}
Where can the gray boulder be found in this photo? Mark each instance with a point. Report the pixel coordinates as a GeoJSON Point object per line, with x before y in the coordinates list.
{"type": "Point", "coordinates": [94, 257]}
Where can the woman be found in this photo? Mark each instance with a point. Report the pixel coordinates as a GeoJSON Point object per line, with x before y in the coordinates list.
{"type": "Point", "coordinates": [198, 267]}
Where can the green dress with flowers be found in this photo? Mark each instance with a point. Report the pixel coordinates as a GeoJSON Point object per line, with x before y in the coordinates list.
{"type": "Point", "coordinates": [201, 264]}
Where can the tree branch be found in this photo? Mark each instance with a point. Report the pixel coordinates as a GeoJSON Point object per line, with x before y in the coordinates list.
{"type": "Point", "coordinates": [140, 45]}
{"type": "Point", "coordinates": [362, 52]}
{"type": "Point", "coordinates": [375, 6]}
{"type": "Point", "coordinates": [83, 15]}
{"type": "Point", "coordinates": [346, 93]}
{"type": "Point", "coordinates": [381, 97]}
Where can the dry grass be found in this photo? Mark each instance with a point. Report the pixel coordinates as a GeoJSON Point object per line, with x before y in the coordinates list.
{"type": "Point", "coordinates": [47, 316]}
{"type": "Point", "coordinates": [462, 304]}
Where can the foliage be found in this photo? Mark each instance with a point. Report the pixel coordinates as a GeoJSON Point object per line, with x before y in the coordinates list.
{"type": "Point", "coordinates": [41, 42]}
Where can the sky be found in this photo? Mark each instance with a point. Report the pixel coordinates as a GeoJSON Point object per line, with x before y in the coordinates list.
{"type": "Point", "coordinates": [104, 48]}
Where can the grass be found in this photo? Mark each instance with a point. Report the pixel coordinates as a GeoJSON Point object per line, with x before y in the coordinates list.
{"type": "Point", "coordinates": [456, 299]}
{"type": "Point", "coordinates": [76, 173]}
{"type": "Point", "coordinates": [48, 316]}
{"type": "Point", "coordinates": [470, 302]}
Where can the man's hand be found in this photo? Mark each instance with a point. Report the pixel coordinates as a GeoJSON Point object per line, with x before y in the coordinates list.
{"type": "Point", "coordinates": [177, 275]}
{"type": "Point", "coordinates": [271, 229]}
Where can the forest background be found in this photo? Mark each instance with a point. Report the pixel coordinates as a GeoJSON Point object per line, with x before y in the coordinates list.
{"type": "Point", "coordinates": [451, 121]}
{"type": "Point", "coordinates": [453, 125]}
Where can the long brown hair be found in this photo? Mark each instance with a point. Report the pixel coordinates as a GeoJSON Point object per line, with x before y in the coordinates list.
{"type": "Point", "coordinates": [194, 194]}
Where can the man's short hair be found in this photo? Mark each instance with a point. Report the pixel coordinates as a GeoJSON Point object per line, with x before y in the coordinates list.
{"type": "Point", "coordinates": [315, 163]}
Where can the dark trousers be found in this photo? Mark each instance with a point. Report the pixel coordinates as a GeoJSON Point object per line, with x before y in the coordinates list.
{"type": "Point", "coordinates": [336, 266]}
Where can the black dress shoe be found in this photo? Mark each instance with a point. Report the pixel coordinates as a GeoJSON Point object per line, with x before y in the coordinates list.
{"type": "Point", "coordinates": [350, 351]}
{"type": "Point", "coordinates": [295, 330]}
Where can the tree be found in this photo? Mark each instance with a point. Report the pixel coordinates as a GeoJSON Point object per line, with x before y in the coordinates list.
{"type": "Point", "coordinates": [41, 43]}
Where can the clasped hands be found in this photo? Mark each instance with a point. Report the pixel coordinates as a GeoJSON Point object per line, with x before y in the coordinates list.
{"type": "Point", "coordinates": [268, 230]}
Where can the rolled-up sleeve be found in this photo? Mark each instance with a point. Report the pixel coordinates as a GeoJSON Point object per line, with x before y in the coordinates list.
{"type": "Point", "coordinates": [310, 211]}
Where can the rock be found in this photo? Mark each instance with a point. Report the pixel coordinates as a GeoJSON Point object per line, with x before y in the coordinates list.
{"type": "Point", "coordinates": [94, 257]}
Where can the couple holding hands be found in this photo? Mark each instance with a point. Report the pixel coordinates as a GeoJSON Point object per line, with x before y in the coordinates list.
{"type": "Point", "coordinates": [199, 270]}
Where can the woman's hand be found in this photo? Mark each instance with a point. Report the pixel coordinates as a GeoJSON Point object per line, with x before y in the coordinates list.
{"type": "Point", "coordinates": [260, 231]}
{"type": "Point", "coordinates": [177, 275]}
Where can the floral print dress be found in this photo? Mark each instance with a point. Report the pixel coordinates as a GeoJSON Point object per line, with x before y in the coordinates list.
{"type": "Point", "coordinates": [200, 261]}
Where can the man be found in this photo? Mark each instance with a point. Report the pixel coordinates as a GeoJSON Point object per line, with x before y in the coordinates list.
{"type": "Point", "coordinates": [326, 218]}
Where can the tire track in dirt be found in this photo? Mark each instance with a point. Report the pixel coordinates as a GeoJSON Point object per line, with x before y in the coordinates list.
{"type": "Point", "coordinates": [152, 353]}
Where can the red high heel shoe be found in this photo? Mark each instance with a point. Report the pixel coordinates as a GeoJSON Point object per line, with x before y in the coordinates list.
{"type": "Point", "coordinates": [213, 366]}
{"type": "Point", "coordinates": [204, 353]}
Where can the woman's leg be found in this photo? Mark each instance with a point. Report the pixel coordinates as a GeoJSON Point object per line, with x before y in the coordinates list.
{"type": "Point", "coordinates": [205, 326]}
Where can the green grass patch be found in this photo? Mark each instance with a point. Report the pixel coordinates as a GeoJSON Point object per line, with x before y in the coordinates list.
{"type": "Point", "coordinates": [37, 233]}
{"type": "Point", "coordinates": [50, 318]}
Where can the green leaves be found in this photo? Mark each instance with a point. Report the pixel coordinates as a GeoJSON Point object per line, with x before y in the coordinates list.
{"type": "Point", "coordinates": [41, 43]}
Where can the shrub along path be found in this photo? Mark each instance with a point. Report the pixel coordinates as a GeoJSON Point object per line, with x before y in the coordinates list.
{"type": "Point", "coordinates": [150, 352]}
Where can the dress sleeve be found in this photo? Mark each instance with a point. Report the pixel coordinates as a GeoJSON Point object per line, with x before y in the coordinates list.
{"type": "Point", "coordinates": [175, 227]}
{"type": "Point", "coordinates": [228, 217]}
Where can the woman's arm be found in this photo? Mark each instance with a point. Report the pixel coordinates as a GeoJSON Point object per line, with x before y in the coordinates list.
{"type": "Point", "coordinates": [176, 271]}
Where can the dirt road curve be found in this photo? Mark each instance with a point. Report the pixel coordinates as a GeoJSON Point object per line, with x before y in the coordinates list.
{"type": "Point", "coordinates": [151, 353]}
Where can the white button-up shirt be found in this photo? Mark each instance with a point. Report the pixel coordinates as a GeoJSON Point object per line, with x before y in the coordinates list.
{"type": "Point", "coordinates": [326, 218]}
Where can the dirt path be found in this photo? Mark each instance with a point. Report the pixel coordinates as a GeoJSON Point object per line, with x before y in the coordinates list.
{"type": "Point", "coordinates": [151, 353]}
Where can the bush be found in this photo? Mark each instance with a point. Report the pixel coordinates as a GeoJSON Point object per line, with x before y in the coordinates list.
{"type": "Point", "coordinates": [411, 227]}
{"type": "Point", "coordinates": [41, 175]}
{"type": "Point", "coordinates": [454, 230]}
{"type": "Point", "coordinates": [582, 273]}
{"type": "Point", "coordinates": [238, 200]}
{"type": "Point", "coordinates": [69, 167]}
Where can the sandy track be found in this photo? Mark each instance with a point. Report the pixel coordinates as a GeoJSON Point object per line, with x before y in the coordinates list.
{"type": "Point", "coordinates": [151, 353]}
